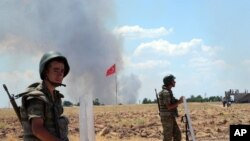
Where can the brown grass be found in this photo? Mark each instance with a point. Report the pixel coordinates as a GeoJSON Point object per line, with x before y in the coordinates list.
{"type": "Point", "coordinates": [210, 121]}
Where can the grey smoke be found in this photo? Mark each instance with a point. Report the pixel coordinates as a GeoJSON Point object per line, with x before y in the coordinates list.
{"type": "Point", "coordinates": [129, 89]}
{"type": "Point", "coordinates": [77, 28]}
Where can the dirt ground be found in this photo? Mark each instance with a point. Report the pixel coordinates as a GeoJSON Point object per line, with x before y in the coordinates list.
{"type": "Point", "coordinates": [210, 121]}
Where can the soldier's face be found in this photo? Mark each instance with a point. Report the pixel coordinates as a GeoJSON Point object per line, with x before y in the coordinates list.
{"type": "Point", "coordinates": [55, 71]}
{"type": "Point", "coordinates": [173, 83]}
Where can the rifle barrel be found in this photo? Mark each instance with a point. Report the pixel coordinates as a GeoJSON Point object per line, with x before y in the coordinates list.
{"type": "Point", "coordinates": [6, 89]}
{"type": "Point", "coordinates": [13, 103]}
{"type": "Point", "coordinates": [157, 99]}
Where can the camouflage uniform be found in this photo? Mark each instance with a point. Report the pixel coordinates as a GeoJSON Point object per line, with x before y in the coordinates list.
{"type": "Point", "coordinates": [169, 124]}
{"type": "Point", "coordinates": [37, 102]}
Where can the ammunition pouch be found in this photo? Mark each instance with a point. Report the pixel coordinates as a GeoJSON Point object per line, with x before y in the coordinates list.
{"type": "Point", "coordinates": [175, 111]}
{"type": "Point", "coordinates": [63, 127]}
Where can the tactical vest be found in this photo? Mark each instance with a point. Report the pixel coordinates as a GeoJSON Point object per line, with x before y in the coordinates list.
{"type": "Point", "coordinates": [163, 108]}
{"type": "Point", "coordinates": [52, 112]}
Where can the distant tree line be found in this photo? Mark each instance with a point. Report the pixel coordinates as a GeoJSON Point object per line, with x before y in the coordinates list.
{"type": "Point", "coordinates": [148, 101]}
{"type": "Point", "coordinates": [199, 98]}
{"type": "Point", "coordinates": [192, 98]}
{"type": "Point", "coordinates": [97, 102]}
{"type": "Point", "coordinates": [69, 103]}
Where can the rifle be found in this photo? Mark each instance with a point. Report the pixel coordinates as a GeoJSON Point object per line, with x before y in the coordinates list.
{"type": "Point", "coordinates": [13, 103]}
{"type": "Point", "coordinates": [157, 100]}
{"type": "Point", "coordinates": [187, 120]}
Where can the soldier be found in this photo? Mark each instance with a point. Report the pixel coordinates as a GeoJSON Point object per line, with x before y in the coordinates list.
{"type": "Point", "coordinates": [41, 108]}
{"type": "Point", "coordinates": [224, 101]}
{"type": "Point", "coordinates": [168, 110]}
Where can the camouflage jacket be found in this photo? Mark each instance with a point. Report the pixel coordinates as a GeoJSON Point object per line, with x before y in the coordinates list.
{"type": "Point", "coordinates": [166, 97]}
{"type": "Point", "coordinates": [37, 102]}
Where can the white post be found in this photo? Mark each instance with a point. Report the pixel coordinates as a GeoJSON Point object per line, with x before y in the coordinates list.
{"type": "Point", "coordinates": [188, 118]}
{"type": "Point", "coordinates": [87, 130]}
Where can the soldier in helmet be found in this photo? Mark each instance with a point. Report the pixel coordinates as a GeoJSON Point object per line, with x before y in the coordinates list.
{"type": "Point", "coordinates": [41, 109]}
{"type": "Point", "coordinates": [168, 110]}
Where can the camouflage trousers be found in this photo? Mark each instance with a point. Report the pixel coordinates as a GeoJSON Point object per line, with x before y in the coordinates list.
{"type": "Point", "coordinates": [170, 128]}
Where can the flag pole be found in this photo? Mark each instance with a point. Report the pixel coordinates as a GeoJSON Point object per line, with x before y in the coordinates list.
{"type": "Point", "coordinates": [116, 86]}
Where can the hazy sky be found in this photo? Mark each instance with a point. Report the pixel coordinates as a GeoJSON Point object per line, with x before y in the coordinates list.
{"type": "Point", "coordinates": [203, 43]}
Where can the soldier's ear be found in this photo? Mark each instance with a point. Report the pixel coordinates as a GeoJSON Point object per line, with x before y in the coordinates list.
{"type": "Point", "coordinates": [45, 74]}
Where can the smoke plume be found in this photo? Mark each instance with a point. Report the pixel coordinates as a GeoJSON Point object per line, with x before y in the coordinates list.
{"type": "Point", "coordinates": [129, 89]}
{"type": "Point", "coordinates": [77, 29]}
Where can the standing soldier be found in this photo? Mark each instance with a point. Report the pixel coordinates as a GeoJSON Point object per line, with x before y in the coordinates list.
{"type": "Point", "coordinates": [168, 110]}
{"type": "Point", "coordinates": [42, 109]}
{"type": "Point", "coordinates": [224, 101]}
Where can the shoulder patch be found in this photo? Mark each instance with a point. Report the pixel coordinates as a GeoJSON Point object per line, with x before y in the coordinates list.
{"type": "Point", "coordinates": [165, 91]}
{"type": "Point", "coordinates": [35, 94]}
{"type": "Point", "coordinates": [29, 89]}
{"type": "Point", "coordinates": [33, 91]}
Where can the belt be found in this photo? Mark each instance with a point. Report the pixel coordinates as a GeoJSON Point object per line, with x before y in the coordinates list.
{"type": "Point", "coordinates": [166, 113]}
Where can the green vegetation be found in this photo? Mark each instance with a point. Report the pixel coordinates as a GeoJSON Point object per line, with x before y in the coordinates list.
{"type": "Point", "coordinates": [67, 103]}
{"type": "Point", "coordinates": [193, 98]}
{"type": "Point", "coordinates": [199, 98]}
{"type": "Point", "coordinates": [148, 101]}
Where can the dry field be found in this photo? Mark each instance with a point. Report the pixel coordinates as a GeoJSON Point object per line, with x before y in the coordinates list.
{"type": "Point", "coordinates": [141, 122]}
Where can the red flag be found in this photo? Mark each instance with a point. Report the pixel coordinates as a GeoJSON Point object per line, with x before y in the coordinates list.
{"type": "Point", "coordinates": [111, 70]}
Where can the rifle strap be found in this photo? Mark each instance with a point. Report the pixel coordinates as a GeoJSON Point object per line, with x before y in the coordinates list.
{"type": "Point", "coordinates": [29, 89]}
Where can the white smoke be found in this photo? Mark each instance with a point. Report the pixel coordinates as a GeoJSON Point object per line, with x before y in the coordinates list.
{"type": "Point", "coordinates": [77, 29]}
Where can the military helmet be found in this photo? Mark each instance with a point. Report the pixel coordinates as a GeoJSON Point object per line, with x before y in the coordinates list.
{"type": "Point", "coordinates": [167, 79]}
{"type": "Point", "coordinates": [49, 56]}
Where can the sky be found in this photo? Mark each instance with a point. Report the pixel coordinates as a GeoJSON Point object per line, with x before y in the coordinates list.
{"type": "Point", "coordinates": [204, 44]}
